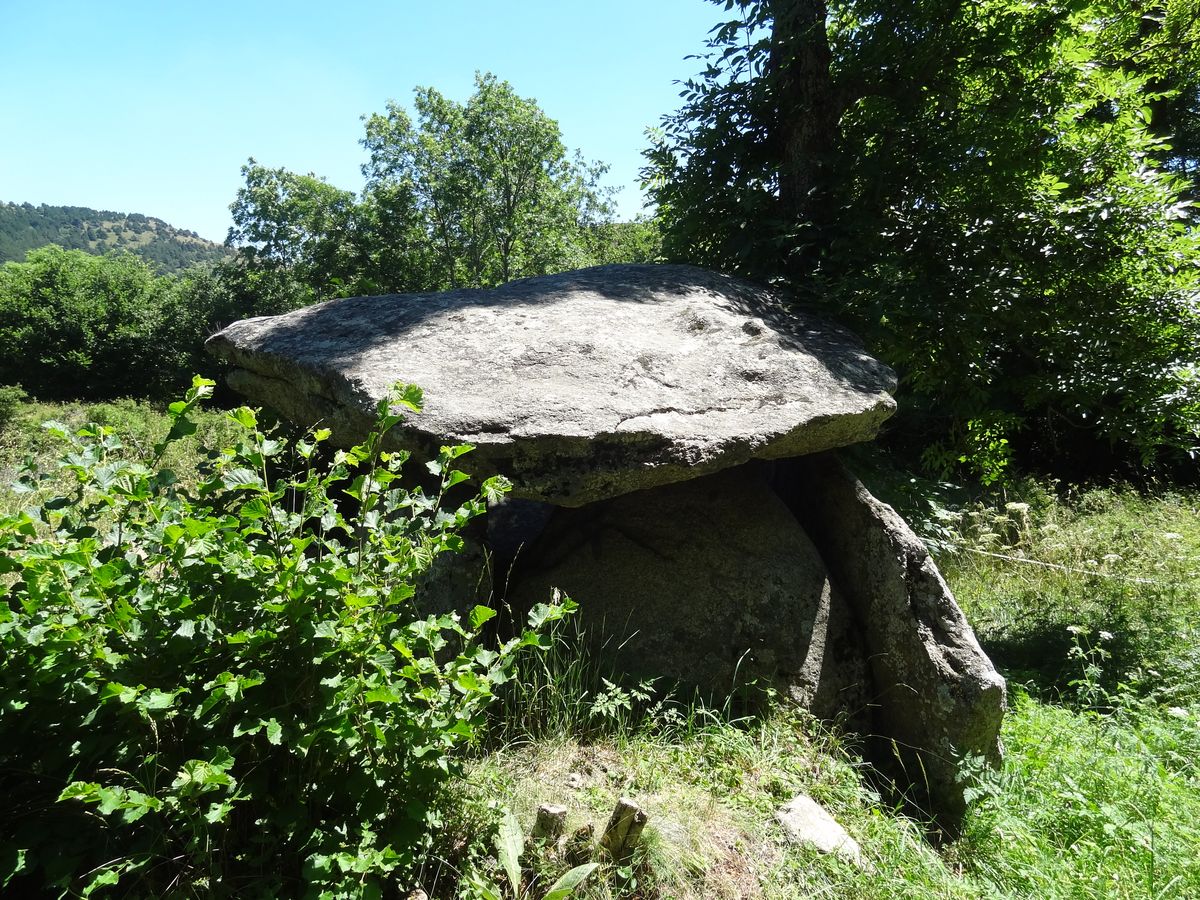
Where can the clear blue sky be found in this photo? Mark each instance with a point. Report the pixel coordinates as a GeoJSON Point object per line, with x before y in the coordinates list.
{"type": "Point", "coordinates": [152, 107]}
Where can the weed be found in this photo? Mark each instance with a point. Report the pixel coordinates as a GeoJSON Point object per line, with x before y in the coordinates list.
{"type": "Point", "coordinates": [225, 688]}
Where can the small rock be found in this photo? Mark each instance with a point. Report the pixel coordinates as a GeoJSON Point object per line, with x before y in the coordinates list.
{"type": "Point", "coordinates": [575, 781]}
{"type": "Point", "coordinates": [551, 820]}
{"type": "Point", "coordinates": [807, 822]}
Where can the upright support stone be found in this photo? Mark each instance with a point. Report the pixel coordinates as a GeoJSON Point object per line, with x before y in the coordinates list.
{"type": "Point", "coordinates": [711, 583]}
{"type": "Point", "coordinates": [938, 700]}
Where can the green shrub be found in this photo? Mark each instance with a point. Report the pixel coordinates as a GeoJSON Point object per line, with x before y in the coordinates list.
{"type": "Point", "coordinates": [11, 398]}
{"type": "Point", "coordinates": [226, 690]}
{"type": "Point", "coordinates": [77, 325]}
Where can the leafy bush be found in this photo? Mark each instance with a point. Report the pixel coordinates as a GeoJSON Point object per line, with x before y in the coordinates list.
{"type": "Point", "coordinates": [140, 425]}
{"type": "Point", "coordinates": [73, 324]}
{"type": "Point", "coordinates": [11, 398]}
{"type": "Point", "coordinates": [227, 689]}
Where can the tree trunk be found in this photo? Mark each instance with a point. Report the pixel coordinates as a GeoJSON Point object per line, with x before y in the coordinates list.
{"type": "Point", "coordinates": [808, 113]}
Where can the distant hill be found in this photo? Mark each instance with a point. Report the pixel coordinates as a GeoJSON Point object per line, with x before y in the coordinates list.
{"type": "Point", "coordinates": [24, 227]}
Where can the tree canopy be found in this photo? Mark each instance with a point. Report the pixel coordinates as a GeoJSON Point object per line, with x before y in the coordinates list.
{"type": "Point", "coordinates": [980, 189]}
{"type": "Point", "coordinates": [469, 194]}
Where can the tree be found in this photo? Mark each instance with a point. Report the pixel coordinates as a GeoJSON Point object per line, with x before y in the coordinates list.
{"type": "Point", "coordinates": [74, 325]}
{"type": "Point", "coordinates": [639, 241]}
{"type": "Point", "coordinates": [470, 195]}
{"type": "Point", "coordinates": [976, 188]}
{"type": "Point", "coordinates": [491, 180]}
{"type": "Point", "coordinates": [284, 222]}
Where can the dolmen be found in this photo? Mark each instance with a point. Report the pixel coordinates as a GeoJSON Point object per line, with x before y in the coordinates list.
{"type": "Point", "coordinates": [670, 433]}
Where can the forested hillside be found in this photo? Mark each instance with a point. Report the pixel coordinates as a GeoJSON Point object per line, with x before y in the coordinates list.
{"type": "Point", "coordinates": [25, 227]}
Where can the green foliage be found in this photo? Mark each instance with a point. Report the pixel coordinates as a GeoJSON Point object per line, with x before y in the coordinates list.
{"type": "Point", "coordinates": [139, 425]}
{"type": "Point", "coordinates": [490, 181]}
{"type": "Point", "coordinates": [1033, 570]}
{"type": "Point", "coordinates": [639, 241]}
{"type": "Point", "coordinates": [997, 218]}
{"type": "Point", "coordinates": [1099, 795]}
{"type": "Point", "coordinates": [1038, 566]}
{"type": "Point", "coordinates": [229, 687]}
{"type": "Point", "coordinates": [568, 688]}
{"type": "Point", "coordinates": [1163, 42]}
{"type": "Point", "coordinates": [11, 398]}
{"type": "Point", "coordinates": [1090, 804]}
{"type": "Point", "coordinates": [297, 225]}
{"type": "Point", "coordinates": [78, 326]}
{"type": "Point", "coordinates": [469, 194]}
{"type": "Point", "coordinates": [1089, 597]}
{"type": "Point", "coordinates": [27, 227]}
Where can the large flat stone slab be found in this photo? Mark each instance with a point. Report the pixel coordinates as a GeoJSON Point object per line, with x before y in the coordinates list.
{"type": "Point", "coordinates": [580, 386]}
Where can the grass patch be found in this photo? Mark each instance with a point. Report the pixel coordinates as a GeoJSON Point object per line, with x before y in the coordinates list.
{"type": "Point", "coordinates": [1111, 562]}
{"type": "Point", "coordinates": [1036, 564]}
{"type": "Point", "coordinates": [1091, 805]}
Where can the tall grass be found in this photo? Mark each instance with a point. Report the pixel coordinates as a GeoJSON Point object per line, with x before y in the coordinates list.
{"type": "Point", "coordinates": [139, 424]}
{"type": "Point", "coordinates": [1111, 563]}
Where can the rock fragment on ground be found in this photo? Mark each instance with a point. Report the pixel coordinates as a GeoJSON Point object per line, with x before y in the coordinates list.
{"type": "Point", "coordinates": [806, 822]}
